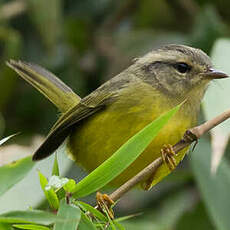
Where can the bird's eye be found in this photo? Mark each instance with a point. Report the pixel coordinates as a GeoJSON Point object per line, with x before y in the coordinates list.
{"type": "Point", "coordinates": [182, 67]}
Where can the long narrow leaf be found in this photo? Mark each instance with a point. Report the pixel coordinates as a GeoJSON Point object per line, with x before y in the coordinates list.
{"type": "Point", "coordinates": [12, 173]}
{"type": "Point", "coordinates": [55, 170]}
{"type": "Point", "coordinates": [215, 189]}
{"type": "Point", "coordinates": [85, 223]}
{"type": "Point", "coordinates": [4, 226]}
{"type": "Point", "coordinates": [7, 138]}
{"type": "Point", "coordinates": [125, 155]}
{"type": "Point", "coordinates": [123, 218]}
{"type": "Point", "coordinates": [118, 225]}
{"type": "Point", "coordinates": [111, 223]}
{"type": "Point", "coordinates": [34, 216]}
{"type": "Point", "coordinates": [50, 194]}
{"type": "Point", "coordinates": [30, 227]}
{"type": "Point", "coordinates": [70, 216]}
{"type": "Point", "coordinates": [92, 210]}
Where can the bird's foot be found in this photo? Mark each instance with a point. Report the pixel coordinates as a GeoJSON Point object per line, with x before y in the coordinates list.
{"type": "Point", "coordinates": [104, 203]}
{"type": "Point", "coordinates": [168, 156]}
{"type": "Point", "coordinates": [147, 184]}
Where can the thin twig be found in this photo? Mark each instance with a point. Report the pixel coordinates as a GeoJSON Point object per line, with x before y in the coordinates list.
{"type": "Point", "coordinates": [208, 125]}
{"type": "Point", "coordinates": [190, 136]}
{"type": "Point", "coordinates": [118, 193]}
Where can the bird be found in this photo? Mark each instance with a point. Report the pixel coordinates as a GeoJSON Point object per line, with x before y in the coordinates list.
{"type": "Point", "coordinates": [98, 124]}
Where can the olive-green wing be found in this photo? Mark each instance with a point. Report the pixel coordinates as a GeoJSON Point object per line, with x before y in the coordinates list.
{"type": "Point", "coordinates": [62, 128]}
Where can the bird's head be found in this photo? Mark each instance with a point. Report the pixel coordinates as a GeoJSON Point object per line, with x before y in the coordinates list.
{"type": "Point", "coordinates": [177, 70]}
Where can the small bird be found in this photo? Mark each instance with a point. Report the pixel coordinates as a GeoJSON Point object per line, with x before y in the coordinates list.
{"type": "Point", "coordinates": [98, 124]}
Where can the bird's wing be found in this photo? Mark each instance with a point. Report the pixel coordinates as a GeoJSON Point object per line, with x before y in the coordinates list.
{"type": "Point", "coordinates": [89, 105]}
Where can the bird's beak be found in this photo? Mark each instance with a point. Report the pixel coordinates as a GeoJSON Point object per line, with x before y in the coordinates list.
{"type": "Point", "coordinates": [214, 74]}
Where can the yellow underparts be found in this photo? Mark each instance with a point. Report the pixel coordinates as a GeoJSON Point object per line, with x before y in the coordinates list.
{"type": "Point", "coordinates": [97, 138]}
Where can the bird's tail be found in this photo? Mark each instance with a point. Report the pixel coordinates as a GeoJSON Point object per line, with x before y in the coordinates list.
{"type": "Point", "coordinates": [46, 83]}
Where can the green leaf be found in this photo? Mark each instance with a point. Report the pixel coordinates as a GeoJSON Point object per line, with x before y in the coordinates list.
{"type": "Point", "coordinates": [70, 185]}
{"type": "Point", "coordinates": [85, 223]}
{"type": "Point", "coordinates": [14, 172]}
{"type": "Point", "coordinates": [118, 225]}
{"type": "Point", "coordinates": [55, 170]}
{"type": "Point", "coordinates": [4, 226]}
{"type": "Point", "coordinates": [125, 155]}
{"type": "Point", "coordinates": [123, 218]}
{"type": "Point", "coordinates": [219, 91]}
{"type": "Point", "coordinates": [34, 216]}
{"type": "Point", "coordinates": [70, 216]}
{"type": "Point", "coordinates": [111, 224]}
{"type": "Point", "coordinates": [30, 227]}
{"type": "Point", "coordinates": [43, 180]}
{"type": "Point", "coordinates": [49, 192]}
{"type": "Point", "coordinates": [7, 138]}
{"type": "Point", "coordinates": [216, 93]}
{"type": "Point", "coordinates": [54, 188]}
{"type": "Point", "coordinates": [92, 210]}
{"type": "Point", "coordinates": [214, 188]}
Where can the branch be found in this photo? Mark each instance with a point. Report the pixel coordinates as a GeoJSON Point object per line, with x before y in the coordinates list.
{"type": "Point", "coordinates": [190, 136]}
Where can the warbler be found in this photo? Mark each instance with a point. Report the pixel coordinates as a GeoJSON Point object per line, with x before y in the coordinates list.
{"type": "Point", "coordinates": [98, 124]}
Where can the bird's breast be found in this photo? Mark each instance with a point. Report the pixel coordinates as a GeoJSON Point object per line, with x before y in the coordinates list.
{"type": "Point", "coordinates": [96, 138]}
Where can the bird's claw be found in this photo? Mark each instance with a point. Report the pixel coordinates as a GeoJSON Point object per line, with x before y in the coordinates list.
{"type": "Point", "coordinates": [104, 203]}
{"type": "Point", "coordinates": [168, 156]}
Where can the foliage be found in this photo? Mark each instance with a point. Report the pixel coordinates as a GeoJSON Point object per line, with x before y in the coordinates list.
{"type": "Point", "coordinates": [85, 43]}
{"type": "Point", "coordinates": [70, 212]}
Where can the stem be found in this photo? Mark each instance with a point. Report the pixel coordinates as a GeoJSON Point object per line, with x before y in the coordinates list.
{"type": "Point", "coordinates": [151, 168]}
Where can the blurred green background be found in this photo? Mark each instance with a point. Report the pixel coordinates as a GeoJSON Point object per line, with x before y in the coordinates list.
{"type": "Point", "coordinates": [87, 42]}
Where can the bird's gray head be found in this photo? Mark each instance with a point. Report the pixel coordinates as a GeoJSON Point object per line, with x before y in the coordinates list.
{"type": "Point", "coordinates": [177, 70]}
